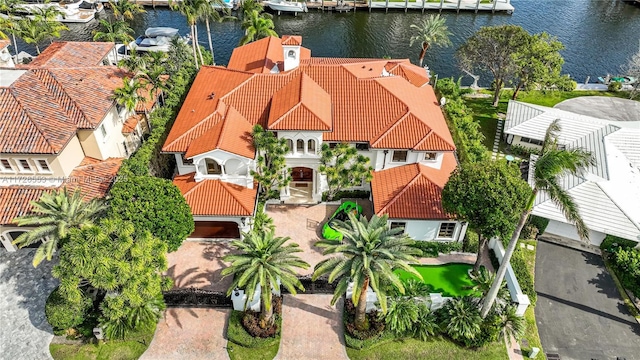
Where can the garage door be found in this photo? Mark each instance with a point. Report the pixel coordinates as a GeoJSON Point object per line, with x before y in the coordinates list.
{"type": "Point", "coordinates": [216, 229]}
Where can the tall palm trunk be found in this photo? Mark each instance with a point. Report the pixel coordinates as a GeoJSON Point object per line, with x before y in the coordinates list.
{"type": "Point", "coordinates": [423, 52]}
{"type": "Point", "coordinates": [482, 243]}
{"type": "Point", "coordinates": [37, 48]}
{"type": "Point", "coordinates": [193, 45]}
{"type": "Point", "coordinates": [361, 309]}
{"type": "Point", "coordinates": [266, 312]}
{"type": "Point", "coordinates": [195, 27]}
{"type": "Point", "coordinates": [15, 45]}
{"type": "Point", "coordinates": [213, 58]}
{"type": "Point", "coordinates": [502, 270]}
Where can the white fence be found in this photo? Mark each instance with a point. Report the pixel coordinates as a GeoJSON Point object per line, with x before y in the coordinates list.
{"type": "Point", "coordinates": [517, 296]}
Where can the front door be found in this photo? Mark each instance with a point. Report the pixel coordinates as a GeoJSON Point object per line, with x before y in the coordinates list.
{"type": "Point", "coordinates": [301, 186]}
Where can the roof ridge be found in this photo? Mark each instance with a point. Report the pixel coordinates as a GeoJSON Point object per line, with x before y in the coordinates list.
{"type": "Point", "coordinates": [192, 128]}
{"type": "Point", "coordinates": [618, 206]}
{"type": "Point", "coordinates": [230, 191]}
{"type": "Point", "coordinates": [35, 123]}
{"type": "Point", "coordinates": [65, 95]}
{"type": "Point", "coordinates": [405, 189]}
{"type": "Point", "coordinates": [197, 183]}
{"type": "Point", "coordinates": [388, 130]}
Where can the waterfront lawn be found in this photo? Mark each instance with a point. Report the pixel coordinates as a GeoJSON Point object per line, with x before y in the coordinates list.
{"type": "Point", "coordinates": [487, 116]}
{"type": "Point", "coordinates": [130, 348]}
{"type": "Point", "coordinates": [435, 348]}
{"type": "Point", "coordinates": [531, 333]}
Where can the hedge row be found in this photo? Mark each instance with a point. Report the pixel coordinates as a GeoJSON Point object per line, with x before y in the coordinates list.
{"type": "Point", "coordinates": [147, 160]}
{"type": "Point", "coordinates": [465, 130]}
{"type": "Point", "coordinates": [433, 248]}
{"type": "Point", "coordinates": [625, 261]}
{"type": "Point", "coordinates": [525, 279]}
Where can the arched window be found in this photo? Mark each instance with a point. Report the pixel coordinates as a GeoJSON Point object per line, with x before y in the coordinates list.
{"type": "Point", "coordinates": [235, 167]}
{"type": "Point", "coordinates": [311, 146]}
{"type": "Point", "coordinates": [212, 166]}
{"type": "Point", "coordinates": [290, 146]}
{"type": "Point", "coordinates": [300, 146]}
{"type": "Point", "coordinates": [291, 54]}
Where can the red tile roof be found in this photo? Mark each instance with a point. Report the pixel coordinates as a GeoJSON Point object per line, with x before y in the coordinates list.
{"type": "Point", "coordinates": [291, 40]}
{"type": "Point", "coordinates": [300, 105]}
{"type": "Point", "coordinates": [231, 133]}
{"type": "Point", "coordinates": [257, 57]}
{"type": "Point", "coordinates": [72, 54]}
{"type": "Point", "coordinates": [4, 44]}
{"type": "Point", "coordinates": [43, 109]}
{"type": "Point", "coordinates": [412, 191]}
{"type": "Point", "coordinates": [216, 197]}
{"type": "Point", "coordinates": [92, 176]}
{"type": "Point", "coordinates": [130, 124]}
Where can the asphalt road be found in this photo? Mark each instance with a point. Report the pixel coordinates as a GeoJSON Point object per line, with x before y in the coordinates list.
{"type": "Point", "coordinates": [579, 312]}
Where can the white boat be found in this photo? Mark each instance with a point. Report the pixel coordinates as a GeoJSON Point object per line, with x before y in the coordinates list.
{"type": "Point", "coordinates": [286, 6]}
{"type": "Point", "coordinates": [226, 4]}
{"type": "Point", "coordinates": [75, 11]}
{"type": "Point", "coordinates": [155, 39]}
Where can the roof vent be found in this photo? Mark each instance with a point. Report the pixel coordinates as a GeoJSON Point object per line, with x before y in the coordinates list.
{"type": "Point", "coordinates": [211, 96]}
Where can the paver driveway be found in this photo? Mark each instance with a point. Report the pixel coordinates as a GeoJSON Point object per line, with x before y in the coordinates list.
{"type": "Point", "coordinates": [24, 330]}
{"type": "Point", "coordinates": [190, 334]}
{"type": "Point", "coordinates": [198, 264]}
{"type": "Point", "coordinates": [311, 328]}
{"type": "Point", "coordinates": [579, 311]}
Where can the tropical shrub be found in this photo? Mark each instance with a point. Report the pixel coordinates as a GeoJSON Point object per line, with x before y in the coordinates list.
{"type": "Point", "coordinates": [348, 194]}
{"type": "Point", "coordinates": [465, 130]}
{"type": "Point", "coordinates": [470, 242]}
{"type": "Point", "coordinates": [462, 320]}
{"type": "Point", "coordinates": [611, 242]}
{"type": "Point", "coordinates": [63, 314]}
{"type": "Point", "coordinates": [565, 83]}
{"type": "Point", "coordinates": [434, 248]}
{"type": "Point", "coordinates": [447, 88]}
{"type": "Point", "coordinates": [614, 86]}
{"type": "Point", "coordinates": [155, 205]}
{"type": "Point", "coordinates": [540, 223]}
{"type": "Point", "coordinates": [375, 321]}
{"type": "Point", "coordinates": [402, 314]}
{"type": "Point", "coordinates": [626, 262]}
{"type": "Point", "coordinates": [523, 151]}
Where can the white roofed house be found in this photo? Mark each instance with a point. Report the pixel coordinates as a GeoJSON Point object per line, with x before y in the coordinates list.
{"type": "Point", "coordinates": [607, 194]}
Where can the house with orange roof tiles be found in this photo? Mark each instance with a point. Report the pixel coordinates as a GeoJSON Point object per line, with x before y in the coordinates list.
{"type": "Point", "coordinates": [59, 126]}
{"type": "Point", "coordinates": [386, 109]}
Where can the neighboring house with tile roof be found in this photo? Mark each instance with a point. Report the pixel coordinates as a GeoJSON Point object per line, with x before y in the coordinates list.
{"type": "Point", "coordinates": [59, 126]}
{"type": "Point", "coordinates": [384, 108]}
{"type": "Point", "coordinates": [608, 193]}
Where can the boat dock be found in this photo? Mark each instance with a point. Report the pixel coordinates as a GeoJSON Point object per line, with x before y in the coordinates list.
{"type": "Point", "coordinates": [386, 5]}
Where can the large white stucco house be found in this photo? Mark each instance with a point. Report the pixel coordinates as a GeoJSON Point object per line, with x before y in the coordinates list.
{"type": "Point", "coordinates": [60, 127]}
{"type": "Point", "coordinates": [384, 108]}
{"type": "Point", "coordinates": [608, 194]}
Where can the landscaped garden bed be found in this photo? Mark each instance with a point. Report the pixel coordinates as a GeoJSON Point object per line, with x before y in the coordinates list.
{"type": "Point", "coordinates": [258, 344]}
{"type": "Point", "coordinates": [132, 347]}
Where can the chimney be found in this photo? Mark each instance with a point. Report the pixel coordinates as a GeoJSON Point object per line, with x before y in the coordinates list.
{"type": "Point", "coordinates": [291, 51]}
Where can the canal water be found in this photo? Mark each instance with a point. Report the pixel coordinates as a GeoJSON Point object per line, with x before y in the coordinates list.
{"type": "Point", "coordinates": [599, 35]}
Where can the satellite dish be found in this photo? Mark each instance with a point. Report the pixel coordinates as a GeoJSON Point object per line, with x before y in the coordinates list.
{"type": "Point", "coordinates": [443, 101]}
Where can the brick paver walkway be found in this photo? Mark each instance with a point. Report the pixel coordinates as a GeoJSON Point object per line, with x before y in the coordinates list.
{"type": "Point", "coordinates": [190, 334]}
{"type": "Point", "coordinates": [197, 264]}
{"type": "Point", "coordinates": [311, 328]}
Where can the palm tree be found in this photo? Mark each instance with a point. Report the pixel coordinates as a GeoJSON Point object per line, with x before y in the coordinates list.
{"type": "Point", "coordinates": [36, 30]}
{"type": "Point", "coordinates": [118, 31]}
{"type": "Point", "coordinates": [178, 55]}
{"type": "Point", "coordinates": [125, 9]}
{"type": "Point", "coordinates": [54, 214]}
{"type": "Point", "coordinates": [262, 261]}
{"type": "Point", "coordinates": [210, 11]}
{"type": "Point", "coordinates": [512, 324]}
{"type": "Point", "coordinates": [256, 26]}
{"type": "Point", "coordinates": [155, 80]}
{"type": "Point", "coordinates": [368, 254]}
{"type": "Point", "coordinates": [10, 24]}
{"type": "Point", "coordinates": [135, 64]}
{"type": "Point", "coordinates": [463, 321]}
{"type": "Point", "coordinates": [129, 94]}
{"type": "Point", "coordinates": [431, 31]}
{"type": "Point", "coordinates": [553, 163]}
{"type": "Point", "coordinates": [192, 10]}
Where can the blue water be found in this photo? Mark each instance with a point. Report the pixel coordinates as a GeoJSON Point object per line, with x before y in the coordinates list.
{"type": "Point", "coordinates": [599, 35]}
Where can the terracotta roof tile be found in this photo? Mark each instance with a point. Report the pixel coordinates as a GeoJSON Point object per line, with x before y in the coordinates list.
{"type": "Point", "coordinates": [130, 124]}
{"type": "Point", "coordinates": [231, 133]}
{"type": "Point", "coordinates": [94, 178]}
{"type": "Point", "coordinates": [4, 44]}
{"type": "Point", "coordinates": [300, 105]}
{"type": "Point", "coordinates": [257, 57]}
{"type": "Point", "coordinates": [68, 54]}
{"type": "Point", "coordinates": [216, 197]}
{"type": "Point", "coordinates": [412, 191]}
{"type": "Point", "coordinates": [291, 40]}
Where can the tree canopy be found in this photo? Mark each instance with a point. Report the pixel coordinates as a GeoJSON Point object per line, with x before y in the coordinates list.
{"type": "Point", "coordinates": [538, 62]}
{"type": "Point", "coordinates": [155, 205]}
{"type": "Point", "coordinates": [271, 167]}
{"type": "Point", "coordinates": [489, 195]}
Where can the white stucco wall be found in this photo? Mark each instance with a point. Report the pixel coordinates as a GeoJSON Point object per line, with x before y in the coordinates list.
{"type": "Point", "coordinates": [239, 167]}
{"type": "Point", "coordinates": [428, 229]}
{"type": "Point", "coordinates": [569, 231]}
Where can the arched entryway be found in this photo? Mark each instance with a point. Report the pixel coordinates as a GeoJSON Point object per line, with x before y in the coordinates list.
{"type": "Point", "coordinates": [302, 185]}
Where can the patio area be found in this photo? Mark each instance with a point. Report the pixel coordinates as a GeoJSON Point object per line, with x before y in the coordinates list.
{"type": "Point", "coordinates": [303, 224]}
{"type": "Point", "coordinates": [197, 264]}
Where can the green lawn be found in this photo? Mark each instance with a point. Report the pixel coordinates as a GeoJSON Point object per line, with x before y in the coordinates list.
{"type": "Point", "coordinates": [436, 349]}
{"type": "Point", "coordinates": [128, 349]}
{"type": "Point", "coordinates": [449, 279]}
{"type": "Point", "coordinates": [531, 335]}
{"type": "Point", "coordinates": [237, 352]}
